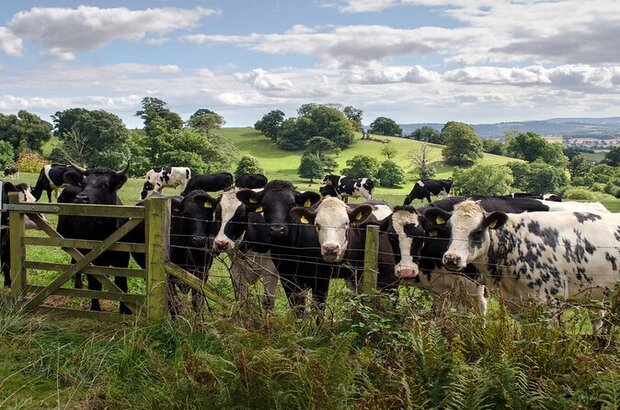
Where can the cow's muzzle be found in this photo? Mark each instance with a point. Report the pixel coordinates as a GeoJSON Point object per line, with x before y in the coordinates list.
{"type": "Point", "coordinates": [406, 273]}
{"type": "Point", "coordinates": [278, 230]}
{"type": "Point", "coordinates": [331, 252]}
{"type": "Point", "coordinates": [453, 262]}
{"type": "Point", "coordinates": [222, 245]}
{"type": "Point", "coordinates": [81, 199]}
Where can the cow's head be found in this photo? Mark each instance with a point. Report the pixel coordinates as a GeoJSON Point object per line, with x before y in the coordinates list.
{"type": "Point", "coordinates": [24, 193]}
{"type": "Point", "coordinates": [99, 185]}
{"type": "Point", "coordinates": [367, 186]}
{"type": "Point", "coordinates": [406, 233]}
{"type": "Point", "coordinates": [145, 189]}
{"type": "Point", "coordinates": [469, 236]}
{"type": "Point", "coordinates": [332, 220]}
{"type": "Point", "coordinates": [276, 200]}
{"type": "Point", "coordinates": [230, 221]}
{"type": "Point", "coordinates": [196, 218]}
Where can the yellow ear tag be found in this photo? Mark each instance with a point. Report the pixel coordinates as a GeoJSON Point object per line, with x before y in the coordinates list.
{"type": "Point", "coordinates": [259, 209]}
{"type": "Point", "coordinates": [208, 204]}
{"type": "Point", "coordinates": [492, 224]}
{"type": "Point", "coordinates": [252, 200]}
{"type": "Point", "coordinates": [304, 220]}
{"type": "Point", "coordinates": [307, 204]}
{"type": "Point", "coordinates": [358, 217]}
{"type": "Point", "coordinates": [432, 233]}
{"type": "Point", "coordinates": [440, 220]}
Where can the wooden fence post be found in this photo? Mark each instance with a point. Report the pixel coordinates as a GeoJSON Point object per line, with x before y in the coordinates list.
{"type": "Point", "coordinates": [371, 253]}
{"type": "Point", "coordinates": [157, 234]}
{"type": "Point", "coordinates": [17, 229]}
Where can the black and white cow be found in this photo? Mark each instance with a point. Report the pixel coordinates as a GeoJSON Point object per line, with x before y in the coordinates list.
{"type": "Point", "coordinates": [209, 182]}
{"type": "Point", "coordinates": [535, 255]}
{"type": "Point", "coordinates": [11, 171]}
{"type": "Point", "coordinates": [251, 181]}
{"type": "Point", "coordinates": [51, 178]}
{"type": "Point", "coordinates": [294, 247]}
{"type": "Point", "coordinates": [427, 187]}
{"type": "Point", "coordinates": [244, 236]}
{"type": "Point", "coordinates": [159, 178]}
{"type": "Point", "coordinates": [546, 197]}
{"type": "Point", "coordinates": [345, 187]}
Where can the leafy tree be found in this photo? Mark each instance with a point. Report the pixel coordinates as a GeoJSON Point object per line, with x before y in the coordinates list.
{"type": "Point", "coordinates": [93, 138]}
{"type": "Point", "coordinates": [294, 133]}
{"type": "Point", "coordinates": [390, 174]}
{"type": "Point", "coordinates": [6, 154]}
{"type": "Point", "coordinates": [482, 180]}
{"type": "Point", "coordinates": [521, 174]}
{"type": "Point", "coordinates": [248, 164]}
{"type": "Point", "coordinates": [153, 108]}
{"type": "Point", "coordinates": [578, 166]}
{"type": "Point", "coordinates": [306, 109]}
{"type": "Point", "coordinates": [310, 167]}
{"type": "Point", "coordinates": [388, 151]}
{"type": "Point", "coordinates": [385, 126]}
{"type": "Point", "coordinates": [361, 166]}
{"type": "Point", "coordinates": [462, 145]}
{"type": "Point", "coordinates": [270, 124]}
{"type": "Point", "coordinates": [428, 134]}
{"type": "Point", "coordinates": [205, 120]}
{"type": "Point", "coordinates": [545, 178]}
{"type": "Point", "coordinates": [318, 120]}
{"type": "Point", "coordinates": [24, 130]}
{"type": "Point", "coordinates": [354, 116]}
{"type": "Point", "coordinates": [612, 157]}
{"type": "Point", "coordinates": [531, 146]}
{"type": "Point", "coordinates": [493, 146]}
{"type": "Point", "coordinates": [319, 145]}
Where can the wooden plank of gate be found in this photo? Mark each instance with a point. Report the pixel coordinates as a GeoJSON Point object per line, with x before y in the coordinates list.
{"type": "Point", "coordinates": [197, 284]}
{"type": "Point", "coordinates": [82, 244]}
{"type": "Point", "coordinates": [83, 262]}
{"type": "Point", "coordinates": [91, 270]}
{"type": "Point", "coordinates": [91, 294]}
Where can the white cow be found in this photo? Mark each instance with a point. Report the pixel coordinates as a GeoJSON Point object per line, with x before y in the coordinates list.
{"type": "Point", "coordinates": [158, 178]}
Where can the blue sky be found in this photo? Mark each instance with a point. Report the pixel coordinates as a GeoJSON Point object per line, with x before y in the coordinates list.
{"type": "Point", "coordinates": [411, 60]}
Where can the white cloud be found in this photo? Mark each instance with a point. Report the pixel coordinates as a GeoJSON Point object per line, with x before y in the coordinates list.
{"type": "Point", "coordinates": [65, 31]}
{"type": "Point", "coordinates": [9, 43]}
{"type": "Point", "coordinates": [261, 80]}
{"type": "Point", "coordinates": [385, 75]}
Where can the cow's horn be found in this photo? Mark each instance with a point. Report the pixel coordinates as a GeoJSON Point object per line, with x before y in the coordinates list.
{"type": "Point", "coordinates": [124, 171]}
{"type": "Point", "coordinates": [79, 168]}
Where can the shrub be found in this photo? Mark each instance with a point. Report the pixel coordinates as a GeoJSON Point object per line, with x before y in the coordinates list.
{"type": "Point", "coordinates": [31, 161]}
{"type": "Point", "coordinates": [390, 174]}
{"type": "Point", "coordinates": [578, 194]}
{"type": "Point", "coordinates": [6, 154]}
{"type": "Point", "coordinates": [248, 164]}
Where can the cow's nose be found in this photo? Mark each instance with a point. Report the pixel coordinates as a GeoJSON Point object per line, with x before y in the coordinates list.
{"type": "Point", "coordinates": [198, 240]}
{"type": "Point", "coordinates": [451, 260]}
{"type": "Point", "coordinates": [278, 229]}
{"type": "Point", "coordinates": [406, 273]}
{"type": "Point", "coordinates": [81, 199]}
{"type": "Point", "coordinates": [330, 249]}
{"type": "Point", "coordinates": [221, 245]}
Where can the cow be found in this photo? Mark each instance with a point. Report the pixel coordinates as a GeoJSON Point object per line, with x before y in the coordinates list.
{"type": "Point", "coordinates": [294, 247]}
{"type": "Point", "coordinates": [243, 235]}
{"type": "Point", "coordinates": [96, 186]}
{"type": "Point", "coordinates": [328, 190]}
{"type": "Point", "coordinates": [159, 178]}
{"type": "Point", "coordinates": [51, 178]}
{"type": "Point", "coordinates": [346, 186]}
{"type": "Point", "coordinates": [342, 234]}
{"type": "Point", "coordinates": [209, 182]}
{"type": "Point", "coordinates": [535, 255]}
{"type": "Point", "coordinates": [251, 181]}
{"type": "Point", "coordinates": [11, 171]}
{"type": "Point", "coordinates": [546, 197]}
{"type": "Point", "coordinates": [424, 188]}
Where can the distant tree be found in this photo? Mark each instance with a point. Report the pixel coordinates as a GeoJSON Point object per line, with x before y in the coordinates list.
{"type": "Point", "coordinates": [531, 146]}
{"type": "Point", "coordinates": [306, 109]}
{"type": "Point", "coordinates": [24, 131]}
{"type": "Point", "coordinates": [427, 134]}
{"type": "Point", "coordinates": [155, 108]}
{"type": "Point", "coordinates": [310, 167]}
{"type": "Point", "coordinates": [545, 178]}
{"type": "Point", "coordinates": [295, 132]}
{"type": "Point", "coordinates": [462, 145]}
{"type": "Point", "coordinates": [612, 157]}
{"type": "Point", "coordinates": [361, 166]}
{"type": "Point", "coordinates": [482, 180]}
{"type": "Point", "coordinates": [354, 116]}
{"type": "Point", "coordinates": [319, 145]}
{"type": "Point", "coordinates": [318, 120]}
{"type": "Point", "coordinates": [493, 146]}
{"type": "Point", "coordinates": [270, 124]}
{"type": "Point", "coordinates": [421, 161]}
{"type": "Point", "coordinates": [385, 126]}
{"type": "Point", "coordinates": [578, 166]}
{"type": "Point", "coordinates": [390, 174]}
{"type": "Point", "coordinates": [7, 156]}
{"type": "Point", "coordinates": [205, 119]}
{"type": "Point", "coordinates": [521, 174]}
{"type": "Point", "coordinates": [388, 151]}
{"type": "Point", "coordinates": [248, 164]}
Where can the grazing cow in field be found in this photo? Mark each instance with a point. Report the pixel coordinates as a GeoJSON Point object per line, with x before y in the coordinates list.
{"type": "Point", "coordinates": [342, 236]}
{"type": "Point", "coordinates": [51, 178]}
{"type": "Point", "coordinates": [12, 172]}
{"type": "Point", "coordinates": [159, 178]}
{"type": "Point", "coordinates": [209, 182]}
{"type": "Point", "coordinates": [345, 187]}
{"type": "Point", "coordinates": [294, 247]}
{"type": "Point", "coordinates": [251, 181]}
{"type": "Point", "coordinates": [427, 187]}
{"type": "Point", "coordinates": [245, 237]}
{"type": "Point", "coordinates": [96, 186]}
{"type": "Point", "coordinates": [535, 255]}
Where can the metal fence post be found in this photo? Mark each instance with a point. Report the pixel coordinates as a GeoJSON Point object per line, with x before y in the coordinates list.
{"type": "Point", "coordinates": [371, 253]}
{"type": "Point", "coordinates": [157, 234]}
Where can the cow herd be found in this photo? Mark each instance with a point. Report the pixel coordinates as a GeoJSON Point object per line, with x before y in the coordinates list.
{"type": "Point", "coordinates": [523, 247]}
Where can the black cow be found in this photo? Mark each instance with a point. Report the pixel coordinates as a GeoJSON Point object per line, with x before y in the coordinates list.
{"type": "Point", "coordinates": [209, 182]}
{"type": "Point", "coordinates": [251, 181]}
{"type": "Point", "coordinates": [96, 186]}
{"type": "Point", "coordinates": [344, 186]}
{"type": "Point", "coordinates": [51, 178]}
{"type": "Point", "coordinates": [11, 171]}
{"type": "Point", "coordinates": [427, 187]}
{"type": "Point", "coordinates": [546, 197]}
{"type": "Point", "coordinates": [294, 247]}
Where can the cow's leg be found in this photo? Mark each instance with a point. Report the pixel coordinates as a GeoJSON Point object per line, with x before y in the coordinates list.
{"type": "Point", "coordinates": [49, 195]}
{"type": "Point", "coordinates": [428, 198]}
{"type": "Point", "coordinates": [7, 275]}
{"type": "Point", "coordinates": [121, 282]}
{"type": "Point", "coordinates": [94, 284]}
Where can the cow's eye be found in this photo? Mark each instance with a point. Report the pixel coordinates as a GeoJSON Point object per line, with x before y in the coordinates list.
{"type": "Point", "coordinates": [477, 235]}
{"type": "Point", "coordinates": [318, 228]}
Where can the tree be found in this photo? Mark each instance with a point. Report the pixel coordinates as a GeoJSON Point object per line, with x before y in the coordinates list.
{"type": "Point", "coordinates": [531, 146]}
{"type": "Point", "coordinates": [24, 130]}
{"type": "Point", "coordinates": [270, 124]}
{"type": "Point", "coordinates": [482, 180]}
{"type": "Point", "coordinates": [310, 167]}
{"type": "Point", "coordinates": [612, 157]}
{"type": "Point", "coordinates": [520, 174]}
{"type": "Point", "coordinates": [155, 108]}
{"type": "Point", "coordinates": [294, 133]}
{"type": "Point", "coordinates": [6, 154]}
{"type": "Point", "coordinates": [427, 134]}
{"type": "Point", "coordinates": [318, 120]}
{"type": "Point", "coordinates": [306, 109]}
{"type": "Point", "coordinates": [385, 126]}
{"type": "Point", "coordinates": [319, 145]}
{"type": "Point", "coordinates": [462, 145]}
{"type": "Point", "coordinates": [578, 166]}
{"type": "Point", "coordinates": [354, 116]}
{"type": "Point", "coordinates": [421, 161]}
{"type": "Point", "coordinates": [388, 151]}
{"type": "Point", "coordinates": [361, 166]}
{"type": "Point", "coordinates": [206, 120]}
{"type": "Point", "coordinates": [493, 146]}
{"type": "Point", "coordinates": [390, 174]}
{"type": "Point", "coordinates": [248, 164]}
{"type": "Point", "coordinates": [545, 178]}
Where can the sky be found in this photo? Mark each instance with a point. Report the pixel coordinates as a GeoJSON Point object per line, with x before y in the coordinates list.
{"type": "Point", "coordinates": [476, 61]}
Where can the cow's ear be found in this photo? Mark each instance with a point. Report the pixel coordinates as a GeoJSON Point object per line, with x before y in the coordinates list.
{"type": "Point", "coordinates": [73, 178]}
{"type": "Point", "coordinates": [307, 199]}
{"type": "Point", "coordinates": [120, 181]}
{"type": "Point", "coordinates": [360, 213]}
{"type": "Point", "coordinates": [205, 200]}
{"type": "Point", "coordinates": [303, 215]}
{"type": "Point", "coordinates": [495, 220]}
{"type": "Point", "coordinates": [251, 199]}
{"type": "Point", "coordinates": [176, 204]}
{"type": "Point", "coordinates": [8, 187]}
{"type": "Point", "coordinates": [437, 216]}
